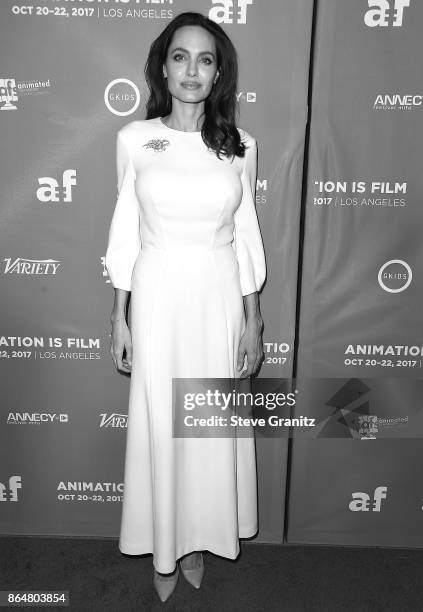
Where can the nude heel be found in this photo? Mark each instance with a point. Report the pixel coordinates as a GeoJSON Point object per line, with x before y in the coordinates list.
{"type": "Point", "coordinates": [194, 576]}
{"type": "Point", "coordinates": [165, 586]}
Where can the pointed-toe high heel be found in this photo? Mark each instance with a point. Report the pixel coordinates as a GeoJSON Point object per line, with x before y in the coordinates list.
{"type": "Point", "coordinates": [165, 585]}
{"type": "Point", "coordinates": [194, 576]}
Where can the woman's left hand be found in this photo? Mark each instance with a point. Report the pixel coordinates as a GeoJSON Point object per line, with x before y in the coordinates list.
{"type": "Point", "coordinates": [251, 344]}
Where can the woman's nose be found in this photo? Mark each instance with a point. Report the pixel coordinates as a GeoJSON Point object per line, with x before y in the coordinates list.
{"type": "Point", "coordinates": [192, 68]}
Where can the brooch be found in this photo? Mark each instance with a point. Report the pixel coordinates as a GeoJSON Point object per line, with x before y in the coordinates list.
{"type": "Point", "coordinates": [157, 144]}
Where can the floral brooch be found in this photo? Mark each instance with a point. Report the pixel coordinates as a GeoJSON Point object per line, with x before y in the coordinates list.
{"type": "Point", "coordinates": [157, 144]}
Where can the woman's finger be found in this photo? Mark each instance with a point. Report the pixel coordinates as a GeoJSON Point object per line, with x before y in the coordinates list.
{"type": "Point", "coordinates": [129, 355]}
{"type": "Point", "coordinates": [250, 361]}
{"type": "Point", "coordinates": [258, 361]}
{"type": "Point", "coordinates": [241, 358]}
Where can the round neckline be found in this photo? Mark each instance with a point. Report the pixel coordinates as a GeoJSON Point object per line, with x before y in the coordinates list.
{"type": "Point", "coordinates": [160, 120]}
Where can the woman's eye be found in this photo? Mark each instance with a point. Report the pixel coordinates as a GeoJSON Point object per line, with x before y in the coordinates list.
{"type": "Point", "coordinates": [179, 56]}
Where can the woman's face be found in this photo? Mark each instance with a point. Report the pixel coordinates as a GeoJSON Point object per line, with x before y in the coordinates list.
{"type": "Point", "coordinates": [191, 64]}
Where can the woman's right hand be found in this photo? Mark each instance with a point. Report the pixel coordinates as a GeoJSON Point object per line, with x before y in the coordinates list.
{"type": "Point", "coordinates": [120, 339]}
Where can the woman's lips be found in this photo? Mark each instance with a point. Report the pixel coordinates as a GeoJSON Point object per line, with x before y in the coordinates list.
{"type": "Point", "coordinates": [190, 85]}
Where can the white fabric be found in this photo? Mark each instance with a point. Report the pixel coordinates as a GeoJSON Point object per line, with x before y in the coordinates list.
{"type": "Point", "coordinates": [185, 239]}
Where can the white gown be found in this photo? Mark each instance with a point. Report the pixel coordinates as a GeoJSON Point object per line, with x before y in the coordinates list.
{"type": "Point", "coordinates": [185, 239]}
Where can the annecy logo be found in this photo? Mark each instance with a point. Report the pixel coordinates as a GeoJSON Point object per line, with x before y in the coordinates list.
{"type": "Point", "coordinates": [122, 97]}
{"type": "Point", "coordinates": [384, 13]}
{"type": "Point", "coordinates": [31, 267]}
{"type": "Point", "coordinates": [395, 276]}
{"type": "Point", "coordinates": [398, 101]}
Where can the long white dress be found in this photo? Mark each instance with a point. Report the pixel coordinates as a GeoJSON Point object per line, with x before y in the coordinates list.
{"type": "Point", "coordinates": [185, 239]}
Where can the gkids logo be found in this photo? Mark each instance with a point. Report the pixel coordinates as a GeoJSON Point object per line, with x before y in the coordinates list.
{"type": "Point", "coordinates": [224, 11]}
{"type": "Point", "coordinates": [10, 493]}
{"type": "Point", "coordinates": [362, 502]}
{"type": "Point", "coordinates": [50, 188]}
{"type": "Point", "coordinates": [385, 13]}
{"type": "Point", "coordinates": [395, 276]}
{"type": "Point", "coordinates": [122, 97]}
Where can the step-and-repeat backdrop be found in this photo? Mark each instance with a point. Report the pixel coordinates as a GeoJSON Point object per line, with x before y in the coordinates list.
{"type": "Point", "coordinates": [71, 77]}
{"type": "Point", "coordinates": [338, 203]}
{"type": "Point", "coordinates": [361, 287]}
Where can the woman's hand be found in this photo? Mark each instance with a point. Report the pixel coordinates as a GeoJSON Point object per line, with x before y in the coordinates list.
{"type": "Point", "coordinates": [251, 344]}
{"type": "Point", "coordinates": [120, 339]}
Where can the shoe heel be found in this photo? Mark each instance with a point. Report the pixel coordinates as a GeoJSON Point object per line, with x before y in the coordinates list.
{"type": "Point", "coordinates": [194, 576]}
{"type": "Point", "coordinates": [165, 588]}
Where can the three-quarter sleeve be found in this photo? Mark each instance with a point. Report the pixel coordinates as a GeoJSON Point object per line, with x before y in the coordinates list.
{"type": "Point", "coordinates": [248, 242]}
{"type": "Point", "coordinates": [124, 241]}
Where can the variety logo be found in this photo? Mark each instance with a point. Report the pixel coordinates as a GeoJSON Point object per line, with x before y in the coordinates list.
{"type": "Point", "coordinates": [50, 189]}
{"type": "Point", "coordinates": [385, 13]}
{"type": "Point", "coordinates": [31, 267]}
{"type": "Point", "coordinates": [395, 276]}
{"type": "Point", "coordinates": [10, 493]}
{"type": "Point", "coordinates": [225, 11]}
{"type": "Point", "coordinates": [122, 97]}
{"type": "Point", "coordinates": [114, 420]}
{"type": "Point", "coordinates": [362, 502]}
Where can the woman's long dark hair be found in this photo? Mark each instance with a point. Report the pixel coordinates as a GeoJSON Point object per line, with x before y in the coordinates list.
{"type": "Point", "coordinates": [219, 130]}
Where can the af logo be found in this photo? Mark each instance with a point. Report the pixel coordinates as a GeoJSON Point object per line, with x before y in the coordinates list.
{"type": "Point", "coordinates": [51, 190]}
{"type": "Point", "coordinates": [385, 13]}
{"type": "Point", "coordinates": [362, 502]}
{"type": "Point", "coordinates": [223, 11]}
{"type": "Point", "coordinates": [10, 492]}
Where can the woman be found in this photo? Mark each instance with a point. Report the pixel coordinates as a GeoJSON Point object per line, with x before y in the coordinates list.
{"type": "Point", "coordinates": [185, 240]}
